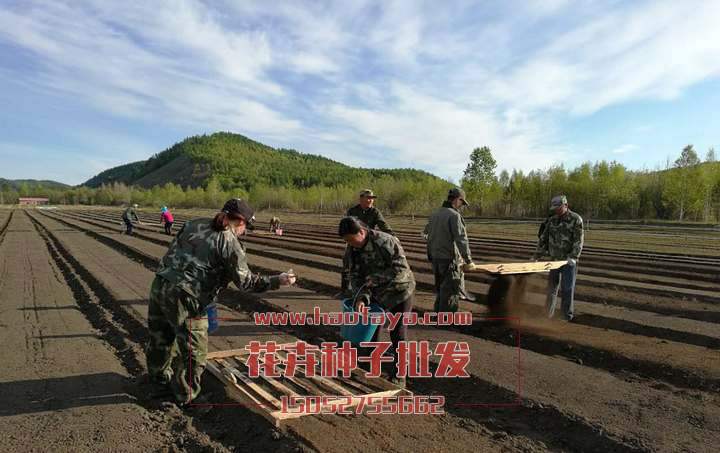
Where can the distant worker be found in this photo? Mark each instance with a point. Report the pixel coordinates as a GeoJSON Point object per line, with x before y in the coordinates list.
{"type": "Point", "coordinates": [166, 218]}
{"type": "Point", "coordinates": [561, 239]}
{"type": "Point", "coordinates": [448, 248]}
{"type": "Point", "coordinates": [378, 267]}
{"type": "Point", "coordinates": [128, 215]}
{"type": "Point", "coordinates": [274, 224]}
{"type": "Point", "coordinates": [204, 257]}
{"type": "Point", "coordinates": [372, 218]}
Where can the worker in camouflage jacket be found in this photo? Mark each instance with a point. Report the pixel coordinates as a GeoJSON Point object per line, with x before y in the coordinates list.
{"type": "Point", "coordinates": [379, 269]}
{"type": "Point", "coordinates": [128, 216]}
{"type": "Point", "coordinates": [367, 213]}
{"type": "Point", "coordinates": [203, 258]}
{"type": "Point", "coordinates": [448, 249]}
{"type": "Point", "coordinates": [561, 239]}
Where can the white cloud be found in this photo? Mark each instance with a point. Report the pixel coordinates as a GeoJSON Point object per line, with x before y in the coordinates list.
{"type": "Point", "coordinates": [648, 50]}
{"type": "Point", "coordinates": [312, 63]}
{"type": "Point", "coordinates": [172, 65]}
{"type": "Point", "coordinates": [404, 82]}
{"type": "Point", "coordinates": [439, 135]}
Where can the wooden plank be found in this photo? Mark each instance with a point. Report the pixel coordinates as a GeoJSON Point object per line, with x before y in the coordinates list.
{"type": "Point", "coordinates": [358, 381]}
{"type": "Point", "coordinates": [240, 352]}
{"type": "Point", "coordinates": [302, 383]}
{"type": "Point", "coordinates": [330, 385]}
{"type": "Point", "coordinates": [215, 370]}
{"type": "Point", "coordinates": [222, 354]}
{"type": "Point", "coordinates": [516, 268]}
{"type": "Point", "coordinates": [280, 415]}
{"type": "Point", "coordinates": [322, 382]}
{"type": "Point", "coordinates": [356, 385]}
{"type": "Point", "coordinates": [257, 406]}
{"type": "Point", "coordinates": [277, 385]}
{"type": "Point", "coordinates": [372, 384]}
{"type": "Point", "coordinates": [307, 386]}
{"type": "Point", "coordinates": [229, 367]}
{"type": "Point", "coordinates": [252, 385]}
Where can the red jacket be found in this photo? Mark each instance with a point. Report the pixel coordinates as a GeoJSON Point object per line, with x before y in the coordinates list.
{"type": "Point", "coordinates": [166, 217]}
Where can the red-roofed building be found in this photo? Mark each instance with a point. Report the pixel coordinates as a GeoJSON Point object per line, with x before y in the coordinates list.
{"type": "Point", "coordinates": [32, 201]}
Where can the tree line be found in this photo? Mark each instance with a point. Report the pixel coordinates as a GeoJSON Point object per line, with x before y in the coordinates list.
{"type": "Point", "coordinates": [397, 195]}
{"type": "Point", "coordinates": [687, 189]}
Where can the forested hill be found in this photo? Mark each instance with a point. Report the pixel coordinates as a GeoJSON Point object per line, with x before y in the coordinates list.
{"type": "Point", "coordinates": [29, 184]}
{"type": "Point", "coordinates": [235, 161]}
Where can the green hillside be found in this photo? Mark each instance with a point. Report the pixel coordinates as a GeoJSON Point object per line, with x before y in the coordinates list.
{"type": "Point", "coordinates": [237, 162]}
{"type": "Point", "coordinates": [123, 173]}
{"type": "Point", "coordinates": [29, 184]}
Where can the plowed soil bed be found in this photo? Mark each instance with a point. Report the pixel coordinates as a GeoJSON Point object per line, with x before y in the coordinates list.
{"type": "Point", "coordinates": [639, 370]}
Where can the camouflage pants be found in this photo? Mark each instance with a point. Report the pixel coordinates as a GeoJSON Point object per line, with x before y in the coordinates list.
{"type": "Point", "coordinates": [128, 226]}
{"type": "Point", "coordinates": [449, 284]}
{"type": "Point", "coordinates": [177, 349]}
{"type": "Point", "coordinates": [562, 279]}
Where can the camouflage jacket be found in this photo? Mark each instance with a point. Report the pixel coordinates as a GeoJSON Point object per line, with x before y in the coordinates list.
{"type": "Point", "coordinates": [130, 214]}
{"type": "Point", "coordinates": [370, 217]}
{"type": "Point", "coordinates": [202, 262]}
{"type": "Point", "coordinates": [382, 262]}
{"type": "Point", "coordinates": [562, 237]}
{"type": "Point", "coordinates": [447, 237]}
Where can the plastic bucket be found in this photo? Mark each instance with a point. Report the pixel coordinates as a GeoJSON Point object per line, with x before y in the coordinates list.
{"type": "Point", "coordinates": [357, 333]}
{"type": "Point", "coordinates": [212, 316]}
{"type": "Point", "coordinates": [278, 231]}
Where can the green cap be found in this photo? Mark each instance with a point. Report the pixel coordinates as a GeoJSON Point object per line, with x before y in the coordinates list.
{"type": "Point", "coordinates": [557, 201]}
{"type": "Point", "coordinates": [458, 193]}
{"type": "Point", "coordinates": [367, 193]}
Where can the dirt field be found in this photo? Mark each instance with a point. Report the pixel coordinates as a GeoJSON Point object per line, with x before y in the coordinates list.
{"type": "Point", "coordinates": [639, 370]}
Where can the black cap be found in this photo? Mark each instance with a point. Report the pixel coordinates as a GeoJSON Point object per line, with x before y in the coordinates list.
{"type": "Point", "coordinates": [458, 193]}
{"type": "Point", "coordinates": [241, 207]}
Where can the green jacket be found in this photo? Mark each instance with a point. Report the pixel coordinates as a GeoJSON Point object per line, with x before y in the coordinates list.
{"type": "Point", "coordinates": [562, 237]}
{"type": "Point", "coordinates": [370, 217]}
{"type": "Point", "coordinates": [382, 262]}
{"type": "Point", "coordinates": [202, 262]}
{"type": "Point", "coordinates": [447, 237]}
{"type": "Point", "coordinates": [130, 214]}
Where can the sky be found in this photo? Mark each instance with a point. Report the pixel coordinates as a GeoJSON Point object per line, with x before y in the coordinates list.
{"type": "Point", "coordinates": [89, 84]}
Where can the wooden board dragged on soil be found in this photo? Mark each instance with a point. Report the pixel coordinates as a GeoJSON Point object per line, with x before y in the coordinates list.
{"type": "Point", "coordinates": [263, 394]}
{"type": "Point", "coordinates": [516, 268]}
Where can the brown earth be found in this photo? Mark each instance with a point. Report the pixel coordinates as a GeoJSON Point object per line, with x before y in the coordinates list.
{"type": "Point", "coordinates": [637, 372]}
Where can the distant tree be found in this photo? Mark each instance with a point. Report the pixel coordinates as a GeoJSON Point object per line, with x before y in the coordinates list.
{"type": "Point", "coordinates": [481, 168]}
{"type": "Point", "coordinates": [707, 180]}
{"type": "Point", "coordinates": [213, 195]}
{"type": "Point", "coordinates": [479, 176]}
{"type": "Point", "coordinates": [681, 189]}
{"type": "Point", "coordinates": [24, 189]}
{"type": "Point", "coordinates": [710, 156]}
{"type": "Point", "coordinates": [580, 186]}
{"type": "Point", "coordinates": [688, 158]}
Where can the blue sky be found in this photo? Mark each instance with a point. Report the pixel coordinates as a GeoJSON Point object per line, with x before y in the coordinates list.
{"type": "Point", "coordinates": [89, 84]}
